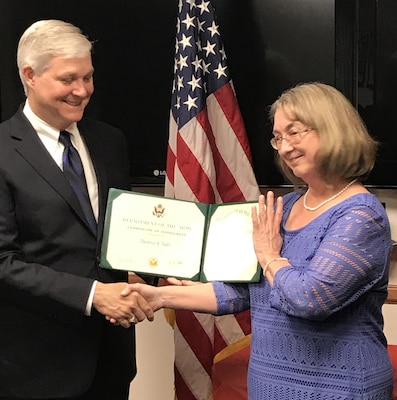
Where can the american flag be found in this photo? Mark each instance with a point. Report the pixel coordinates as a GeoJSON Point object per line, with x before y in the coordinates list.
{"type": "Point", "coordinates": [209, 161]}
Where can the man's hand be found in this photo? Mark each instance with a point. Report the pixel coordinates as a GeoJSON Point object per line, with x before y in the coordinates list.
{"type": "Point", "coordinates": [118, 309]}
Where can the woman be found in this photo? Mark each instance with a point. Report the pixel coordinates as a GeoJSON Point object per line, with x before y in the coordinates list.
{"type": "Point", "coordinates": [317, 326]}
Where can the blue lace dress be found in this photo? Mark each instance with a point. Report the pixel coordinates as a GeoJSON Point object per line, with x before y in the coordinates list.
{"type": "Point", "coordinates": [317, 333]}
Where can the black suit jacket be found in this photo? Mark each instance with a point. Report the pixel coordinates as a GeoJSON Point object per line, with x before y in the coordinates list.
{"type": "Point", "coordinates": [48, 261]}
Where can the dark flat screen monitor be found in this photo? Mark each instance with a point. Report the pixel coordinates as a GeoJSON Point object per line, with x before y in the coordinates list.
{"type": "Point", "coordinates": [271, 45]}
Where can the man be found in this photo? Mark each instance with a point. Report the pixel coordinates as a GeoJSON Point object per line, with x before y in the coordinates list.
{"type": "Point", "coordinates": [55, 301]}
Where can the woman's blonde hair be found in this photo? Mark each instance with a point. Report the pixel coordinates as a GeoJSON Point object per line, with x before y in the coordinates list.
{"type": "Point", "coordinates": [46, 39]}
{"type": "Point", "coordinates": [346, 149]}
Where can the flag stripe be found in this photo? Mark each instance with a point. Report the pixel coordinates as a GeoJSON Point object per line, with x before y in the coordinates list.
{"type": "Point", "coordinates": [244, 319]}
{"type": "Point", "coordinates": [191, 380]}
{"type": "Point", "coordinates": [171, 160]}
{"type": "Point", "coordinates": [233, 152]}
{"type": "Point", "coordinates": [228, 103]}
{"type": "Point", "coordinates": [189, 165]}
{"type": "Point", "coordinates": [187, 324]}
{"type": "Point", "coordinates": [225, 181]}
{"type": "Point", "coordinates": [229, 329]}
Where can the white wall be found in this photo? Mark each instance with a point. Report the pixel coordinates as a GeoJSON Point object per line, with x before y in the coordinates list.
{"type": "Point", "coordinates": [155, 360]}
{"type": "Point", "coordinates": [155, 344]}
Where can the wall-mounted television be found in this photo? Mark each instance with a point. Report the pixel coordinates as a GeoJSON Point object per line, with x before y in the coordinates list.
{"type": "Point", "coordinates": [271, 45]}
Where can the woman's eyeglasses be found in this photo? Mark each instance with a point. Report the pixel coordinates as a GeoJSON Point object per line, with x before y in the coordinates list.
{"type": "Point", "coordinates": [292, 137]}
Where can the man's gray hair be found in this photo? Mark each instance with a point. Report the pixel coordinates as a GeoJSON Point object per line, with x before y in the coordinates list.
{"type": "Point", "coordinates": [46, 39]}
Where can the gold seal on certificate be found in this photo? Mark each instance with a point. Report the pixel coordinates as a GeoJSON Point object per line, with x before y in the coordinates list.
{"type": "Point", "coordinates": [153, 262]}
{"type": "Point", "coordinates": [189, 240]}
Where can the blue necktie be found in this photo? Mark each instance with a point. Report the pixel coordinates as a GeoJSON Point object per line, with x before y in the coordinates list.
{"type": "Point", "coordinates": [74, 173]}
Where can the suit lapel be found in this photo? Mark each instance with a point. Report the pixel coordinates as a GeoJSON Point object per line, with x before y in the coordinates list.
{"type": "Point", "coordinates": [30, 147]}
{"type": "Point", "coordinates": [94, 149]}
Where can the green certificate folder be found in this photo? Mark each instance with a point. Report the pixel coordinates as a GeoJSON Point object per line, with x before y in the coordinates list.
{"type": "Point", "coordinates": [167, 237]}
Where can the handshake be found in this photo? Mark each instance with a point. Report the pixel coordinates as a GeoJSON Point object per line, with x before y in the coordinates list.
{"type": "Point", "coordinates": [127, 304]}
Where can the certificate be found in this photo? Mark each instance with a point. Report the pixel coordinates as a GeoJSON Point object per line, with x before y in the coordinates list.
{"type": "Point", "coordinates": [183, 239]}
